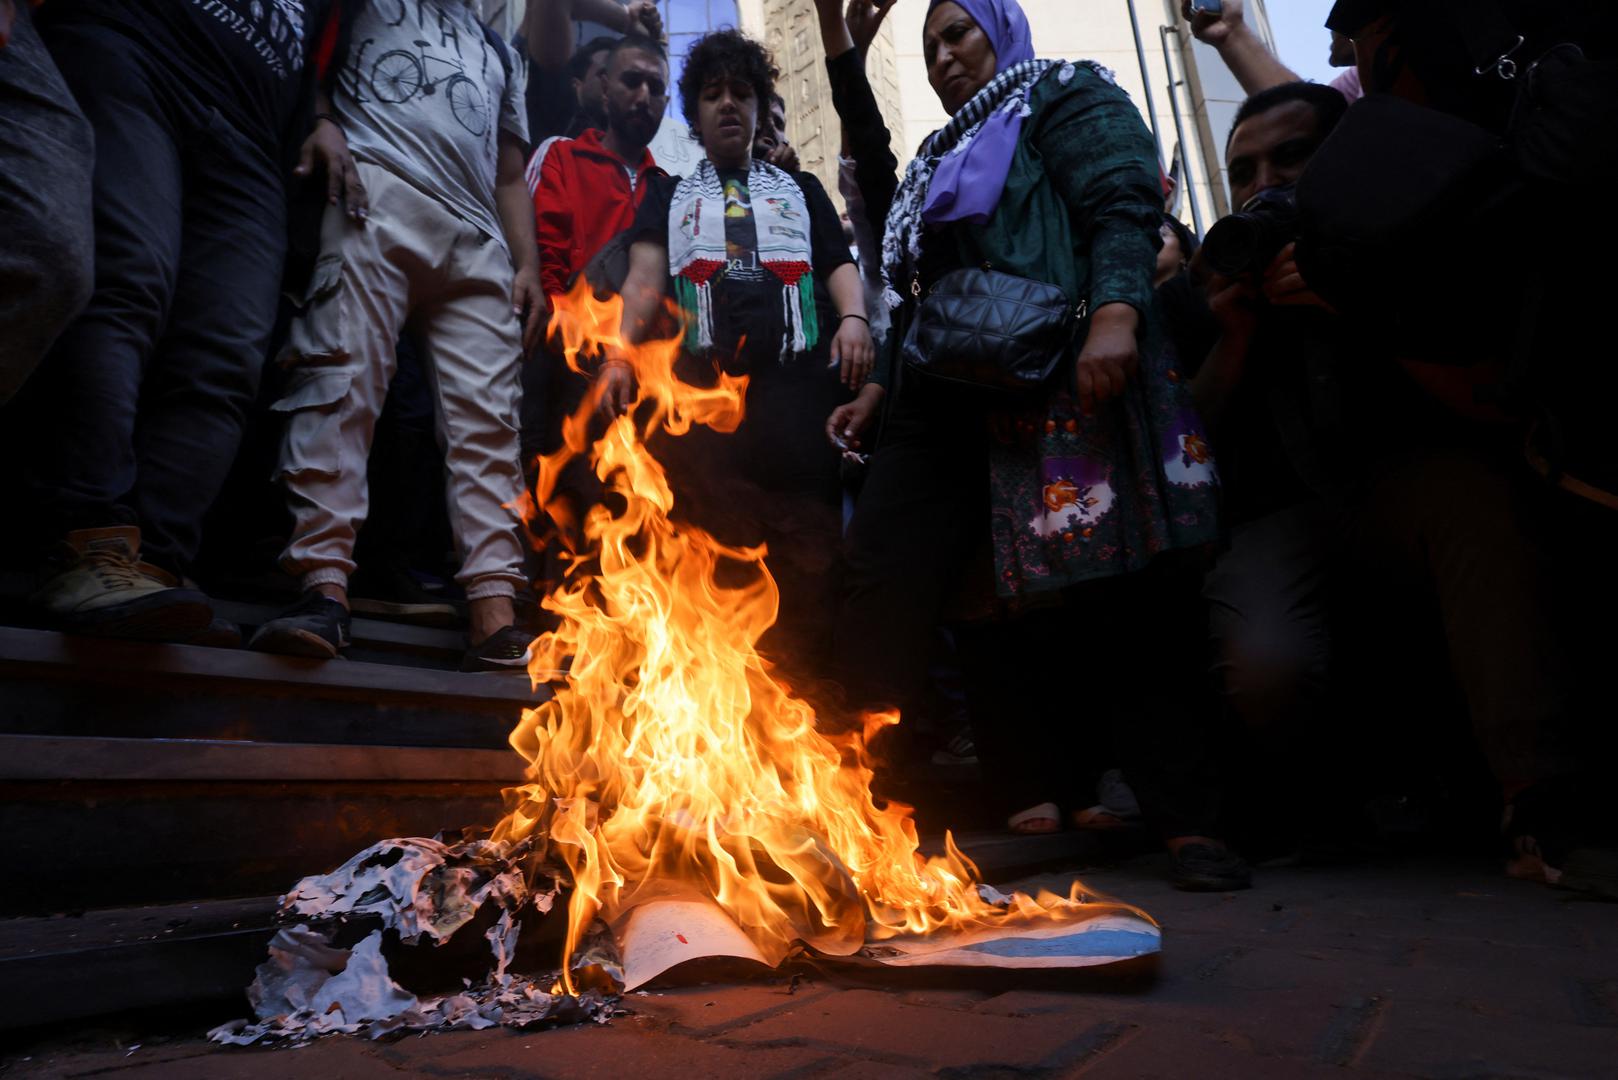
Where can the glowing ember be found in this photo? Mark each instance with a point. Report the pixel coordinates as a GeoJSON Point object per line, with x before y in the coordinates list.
{"type": "Point", "coordinates": [671, 754]}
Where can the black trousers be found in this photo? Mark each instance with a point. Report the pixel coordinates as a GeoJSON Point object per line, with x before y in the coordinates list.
{"type": "Point", "coordinates": [1446, 536]}
{"type": "Point", "coordinates": [141, 402]}
{"type": "Point", "coordinates": [774, 481]}
{"type": "Point", "coordinates": [1111, 672]}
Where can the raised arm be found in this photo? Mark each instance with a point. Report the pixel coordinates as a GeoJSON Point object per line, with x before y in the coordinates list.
{"type": "Point", "coordinates": [1254, 65]}
{"type": "Point", "coordinates": [866, 138]}
{"type": "Point", "coordinates": [547, 25]}
{"type": "Point", "coordinates": [864, 18]}
{"type": "Point", "coordinates": [547, 30]}
{"type": "Point", "coordinates": [834, 33]}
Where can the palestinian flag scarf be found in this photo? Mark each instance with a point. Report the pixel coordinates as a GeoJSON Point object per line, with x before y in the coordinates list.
{"type": "Point", "coordinates": [697, 251]}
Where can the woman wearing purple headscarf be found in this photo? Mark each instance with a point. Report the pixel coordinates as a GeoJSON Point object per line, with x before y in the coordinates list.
{"type": "Point", "coordinates": [1065, 535]}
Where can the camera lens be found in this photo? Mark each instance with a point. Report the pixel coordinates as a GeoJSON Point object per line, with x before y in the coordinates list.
{"type": "Point", "coordinates": [1233, 246]}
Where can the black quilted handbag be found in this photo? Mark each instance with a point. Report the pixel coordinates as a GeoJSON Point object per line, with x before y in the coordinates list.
{"type": "Point", "coordinates": [991, 329]}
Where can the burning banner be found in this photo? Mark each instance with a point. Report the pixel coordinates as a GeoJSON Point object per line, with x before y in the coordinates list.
{"type": "Point", "coordinates": [673, 777]}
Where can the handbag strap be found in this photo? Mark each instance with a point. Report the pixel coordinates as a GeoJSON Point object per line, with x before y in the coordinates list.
{"type": "Point", "coordinates": [1492, 41]}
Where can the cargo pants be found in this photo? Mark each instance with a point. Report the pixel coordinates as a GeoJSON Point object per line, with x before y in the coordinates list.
{"type": "Point", "coordinates": [413, 264]}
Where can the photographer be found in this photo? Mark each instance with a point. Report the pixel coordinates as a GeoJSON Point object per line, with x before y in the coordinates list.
{"type": "Point", "coordinates": [1352, 491]}
{"type": "Point", "coordinates": [1486, 122]}
{"type": "Point", "coordinates": [1499, 115]}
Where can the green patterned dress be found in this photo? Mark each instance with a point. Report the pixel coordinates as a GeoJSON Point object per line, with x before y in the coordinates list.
{"type": "Point", "coordinates": [1074, 498]}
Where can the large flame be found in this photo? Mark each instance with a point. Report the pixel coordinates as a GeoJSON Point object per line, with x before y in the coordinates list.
{"type": "Point", "coordinates": [670, 752]}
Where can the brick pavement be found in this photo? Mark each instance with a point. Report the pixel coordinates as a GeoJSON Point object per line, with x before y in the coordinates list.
{"type": "Point", "coordinates": [1406, 970]}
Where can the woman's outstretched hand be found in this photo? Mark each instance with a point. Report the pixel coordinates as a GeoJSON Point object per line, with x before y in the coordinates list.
{"type": "Point", "coordinates": [847, 425]}
{"type": "Point", "coordinates": [1110, 355]}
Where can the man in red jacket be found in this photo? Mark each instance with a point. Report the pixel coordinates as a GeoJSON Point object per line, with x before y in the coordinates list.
{"type": "Point", "coordinates": [586, 190]}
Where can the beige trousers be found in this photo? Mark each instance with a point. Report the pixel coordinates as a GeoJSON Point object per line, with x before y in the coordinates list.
{"type": "Point", "coordinates": [415, 265]}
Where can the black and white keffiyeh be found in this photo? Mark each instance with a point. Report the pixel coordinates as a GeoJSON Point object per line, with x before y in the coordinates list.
{"type": "Point", "coordinates": [1009, 90]}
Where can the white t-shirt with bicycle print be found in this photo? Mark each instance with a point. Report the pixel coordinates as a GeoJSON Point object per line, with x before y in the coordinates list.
{"type": "Point", "coordinates": [424, 94]}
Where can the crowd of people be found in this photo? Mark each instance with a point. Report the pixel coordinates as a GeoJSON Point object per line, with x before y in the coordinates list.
{"type": "Point", "coordinates": [1208, 529]}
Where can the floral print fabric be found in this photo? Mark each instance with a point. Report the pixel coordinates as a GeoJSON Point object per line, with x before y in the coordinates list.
{"type": "Point", "coordinates": [1078, 497]}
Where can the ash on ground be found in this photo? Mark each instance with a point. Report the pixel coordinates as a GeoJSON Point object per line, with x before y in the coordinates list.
{"type": "Point", "coordinates": [329, 971]}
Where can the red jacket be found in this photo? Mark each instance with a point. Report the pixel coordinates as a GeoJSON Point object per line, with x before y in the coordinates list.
{"type": "Point", "coordinates": [584, 195]}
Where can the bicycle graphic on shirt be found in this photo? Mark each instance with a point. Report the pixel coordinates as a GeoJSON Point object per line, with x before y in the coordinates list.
{"type": "Point", "coordinates": [400, 75]}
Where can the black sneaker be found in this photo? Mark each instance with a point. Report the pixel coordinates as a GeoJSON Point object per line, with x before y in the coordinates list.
{"type": "Point", "coordinates": [1205, 868]}
{"type": "Point", "coordinates": [504, 650]}
{"type": "Point", "coordinates": [316, 626]}
{"type": "Point", "coordinates": [960, 750]}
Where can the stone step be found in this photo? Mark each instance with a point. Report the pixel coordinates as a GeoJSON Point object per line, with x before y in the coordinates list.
{"type": "Point", "coordinates": [62, 685]}
{"type": "Point", "coordinates": [135, 773]}
{"type": "Point", "coordinates": [96, 821]}
{"type": "Point", "coordinates": [73, 967]}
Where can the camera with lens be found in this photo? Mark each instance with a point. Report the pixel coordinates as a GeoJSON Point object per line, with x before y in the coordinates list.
{"type": "Point", "coordinates": [1249, 240]}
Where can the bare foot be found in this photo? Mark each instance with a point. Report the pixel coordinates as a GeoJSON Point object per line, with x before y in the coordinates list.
{"type": "Point", "coordinates": [487, 616]}
{"type": "Point", "coordinates": [1044, 818]}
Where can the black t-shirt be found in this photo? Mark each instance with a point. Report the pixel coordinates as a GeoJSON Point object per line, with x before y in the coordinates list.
{"type": "Point", "coordinates": [553, 107]}
{"type": "Point", "coordinates": [243, 57]}
{"type": "Point", "coordinates": [781, 444]}
{"type": "Point", "coordinates": [748, 319]}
